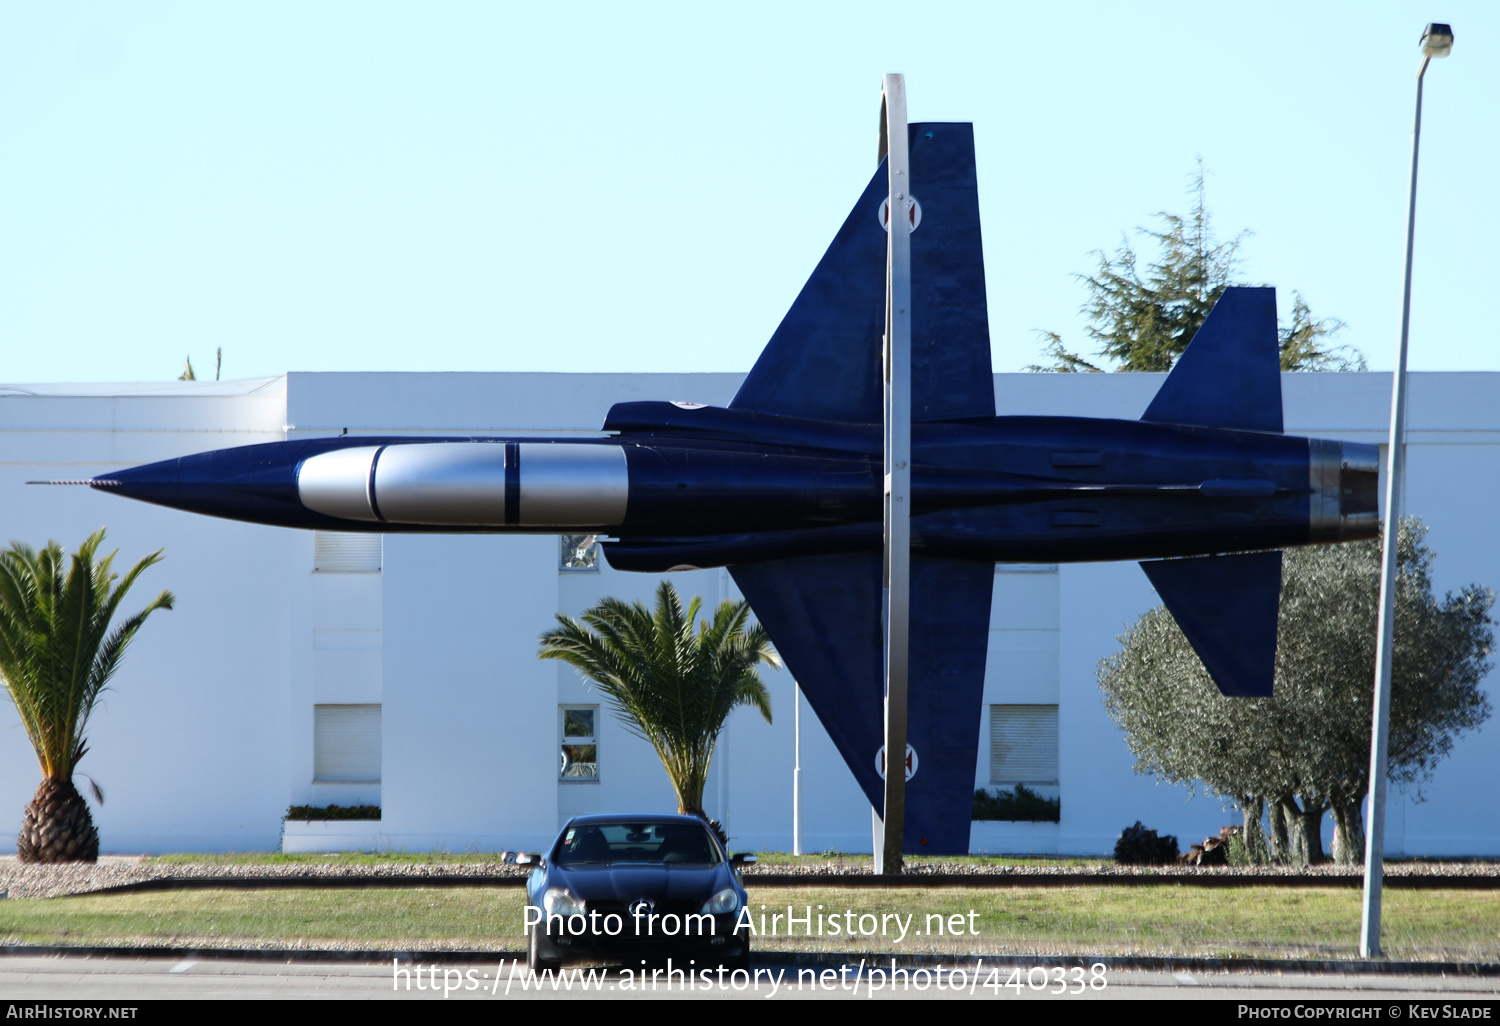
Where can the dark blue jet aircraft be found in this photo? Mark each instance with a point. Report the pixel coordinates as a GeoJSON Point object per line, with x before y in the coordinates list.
{"type": "Point", "coordinates": [784, 487]}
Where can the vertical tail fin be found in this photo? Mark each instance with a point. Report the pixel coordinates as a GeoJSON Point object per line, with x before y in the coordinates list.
{"type": "Point", "coordinates": [824, 360]}
{"type": "Point", "coordinates": [1230, 374]}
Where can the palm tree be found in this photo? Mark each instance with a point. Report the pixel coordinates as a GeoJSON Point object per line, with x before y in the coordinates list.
{"type": "Point", "coordinates": [56, 655]}
{"type": "Point", "coordinates": [667, 684]}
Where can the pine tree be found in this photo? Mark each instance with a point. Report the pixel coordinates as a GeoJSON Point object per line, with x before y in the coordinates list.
{"type": "Point", "coordinates": [1143, 321]}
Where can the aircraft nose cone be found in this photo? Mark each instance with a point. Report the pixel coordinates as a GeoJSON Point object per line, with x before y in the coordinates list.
{"type": "Point", "coordinates": [243, 484]}
{"type": "Point", "coordinates": [152, 482]}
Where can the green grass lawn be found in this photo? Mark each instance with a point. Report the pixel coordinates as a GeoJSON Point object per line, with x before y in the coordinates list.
{"type": "Point", "coordinates": [1461, 925]}
{"type": "Point", "coordinates": [1264, 922]}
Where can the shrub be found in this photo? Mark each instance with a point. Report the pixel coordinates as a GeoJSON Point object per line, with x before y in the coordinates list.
{"type": "Point", "coordinates": [1019, 805]}
{"type": "Point", "coordinates": [1138, 846]}
{"type": "Point", "coordinates": [333, 812]}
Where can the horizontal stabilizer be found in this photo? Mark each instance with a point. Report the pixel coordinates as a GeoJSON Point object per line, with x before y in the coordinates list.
{"type": "Point", "coordinates": [824, 615]}
{"type": "Point", "coordinates": [1227, 606]}
{"type": "Point", "coordinates": [1230, 374]}
{"type": "Point", "coordinates": [824, 360]}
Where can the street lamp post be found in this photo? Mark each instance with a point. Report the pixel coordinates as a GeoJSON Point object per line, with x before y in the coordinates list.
{"type": "Point", "coordinates": [1437, 41]}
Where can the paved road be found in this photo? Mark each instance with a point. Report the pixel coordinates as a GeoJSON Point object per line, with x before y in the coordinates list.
{"type": "Point", "coordinates": [74, 978]}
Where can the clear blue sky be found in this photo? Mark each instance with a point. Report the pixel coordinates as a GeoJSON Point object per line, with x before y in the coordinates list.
{"type": "Point", "coordinates": [644, 187]}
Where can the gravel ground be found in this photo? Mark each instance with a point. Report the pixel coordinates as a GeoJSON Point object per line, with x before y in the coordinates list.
{"type": "Point", "coordinates": [34, 881]}
{"type": "Point", "coordinates": [1104, 870]}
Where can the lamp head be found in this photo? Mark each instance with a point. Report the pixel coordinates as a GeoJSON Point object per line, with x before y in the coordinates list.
{"type": "Point", "coordinates": [1437, 40]}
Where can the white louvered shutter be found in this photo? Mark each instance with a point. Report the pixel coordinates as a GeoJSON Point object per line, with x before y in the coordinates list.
{"type": "Point", "coordinates": [1023, 744]}
{"type": "Point", "coordinates": [346, 743]}
{"type": "Point", "coordinates": [340, 552]}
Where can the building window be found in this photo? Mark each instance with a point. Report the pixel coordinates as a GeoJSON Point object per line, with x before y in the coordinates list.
{"type": "Point", "coordinates": [346, 744]}
{"type": "Point", "coordinates": [338, 552]}
{"type": "Point", "coordinates": [579, 552]}
{"type": "Point", "coordinates": [580, 742]}
{"type": "Point", "coordinates": [1023, 744]}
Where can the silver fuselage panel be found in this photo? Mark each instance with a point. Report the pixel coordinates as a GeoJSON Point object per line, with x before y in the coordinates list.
{"type": "Point", "coordinates": [543, 485]}
{"type": "Point", "coordinates": [337, 483]}
{"type": "Point", "coordinates": [569, 485]}
{"type": "Point", "coordinates": [449, 483]}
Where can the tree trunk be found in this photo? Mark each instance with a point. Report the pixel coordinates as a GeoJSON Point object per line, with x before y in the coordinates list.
{"type": "Point", "coordinates": [1348, 832]}
{"type": "Point", "coordinates": [57, 826]}
{"type": "Point", "coordinates": [1284, 836]}
{"type": "Point", "coordinates": [1253, 835]}
{"type": "Point", "coordinates": [689, 787]}
{"type": "Point", "coordinates": [1311, 827]}
{"type": "Point", "coordinates": [714, 825]}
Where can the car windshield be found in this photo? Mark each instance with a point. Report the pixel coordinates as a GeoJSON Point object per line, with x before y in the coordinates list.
{"type": "Point", "coordinates": [649, 844]}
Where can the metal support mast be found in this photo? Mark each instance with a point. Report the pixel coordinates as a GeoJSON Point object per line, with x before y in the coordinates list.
{"type": "Point", "coordinates": [893, 146]}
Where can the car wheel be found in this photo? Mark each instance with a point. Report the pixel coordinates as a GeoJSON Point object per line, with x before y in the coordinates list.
{"type": "Point", "coordinates": [534, 960]}
{"type": "Point", "coordinates": [740, 961]}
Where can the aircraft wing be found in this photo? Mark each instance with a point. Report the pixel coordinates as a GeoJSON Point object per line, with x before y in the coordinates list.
{"type": "Point", "coordinates": [824, 615]}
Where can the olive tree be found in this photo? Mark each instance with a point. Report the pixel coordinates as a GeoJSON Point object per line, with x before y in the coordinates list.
{"type": "Point", "coordinates": [1305, 751]}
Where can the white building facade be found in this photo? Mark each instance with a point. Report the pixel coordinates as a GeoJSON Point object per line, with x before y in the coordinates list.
{"type": "Point", "coordinates": [314, 669]}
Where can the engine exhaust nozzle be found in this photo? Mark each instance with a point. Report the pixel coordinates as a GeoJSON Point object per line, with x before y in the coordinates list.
{"type": "Point", "coordinates": [1345, 480]}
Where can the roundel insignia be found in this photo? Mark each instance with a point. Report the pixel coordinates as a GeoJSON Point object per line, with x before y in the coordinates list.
{"type": "Point", "coordinates": [911, 762]}
{"type": "Point", "coordinates": [915, 213]}
{"type": "Point", "coordinates": [689, 406]}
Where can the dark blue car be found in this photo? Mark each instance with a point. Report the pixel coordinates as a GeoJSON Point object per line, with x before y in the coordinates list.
{"type": "Point", "coordinates": [624, 889]}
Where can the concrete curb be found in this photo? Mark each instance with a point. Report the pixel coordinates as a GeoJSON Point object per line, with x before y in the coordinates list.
{"type": "Point", "coordinates": [260, 883]}
{"type": "Point", "coordinates": [845, 962]}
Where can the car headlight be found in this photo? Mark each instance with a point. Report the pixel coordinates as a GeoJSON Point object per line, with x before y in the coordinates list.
{"type": "Point", "coordinates": [559, 901]}
{"type": "Point", "coordinates": [724, 901]}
